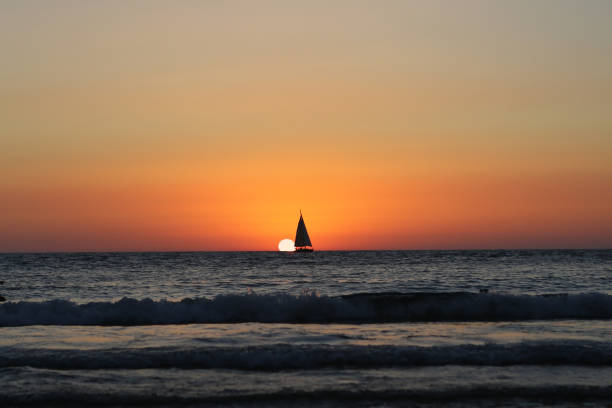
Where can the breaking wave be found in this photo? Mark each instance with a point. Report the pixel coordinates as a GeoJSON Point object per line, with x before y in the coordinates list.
{"type": "Point", "coordinates": [285, 356]}
{"type": "Point", "coordinates": [311, 308]}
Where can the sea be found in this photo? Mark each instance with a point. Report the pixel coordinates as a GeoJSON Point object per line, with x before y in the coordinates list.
{"type": "Point", "coordinates": [529, 328]}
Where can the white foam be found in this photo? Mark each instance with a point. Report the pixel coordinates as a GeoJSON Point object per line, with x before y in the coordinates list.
{"type": "Point", "coordinates": [285, 308]}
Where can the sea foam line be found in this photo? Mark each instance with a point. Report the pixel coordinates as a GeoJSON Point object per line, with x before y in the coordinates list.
{"type": "Point", "coordinates": [311, 308]}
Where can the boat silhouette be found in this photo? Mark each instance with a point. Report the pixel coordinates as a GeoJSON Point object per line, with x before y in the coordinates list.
{"type": "Point", "coordinates": [302, 240]}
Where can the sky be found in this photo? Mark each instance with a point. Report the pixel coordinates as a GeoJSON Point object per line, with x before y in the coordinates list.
{"type": "Point", "coordinates": [208, 125]}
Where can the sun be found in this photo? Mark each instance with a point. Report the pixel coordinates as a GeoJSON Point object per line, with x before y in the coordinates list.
{"type": "Point", "coordinates": [286, 245]}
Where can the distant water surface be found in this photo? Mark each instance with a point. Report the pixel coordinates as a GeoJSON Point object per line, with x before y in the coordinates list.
{"type": "Point", "coordinates": [111, 276]}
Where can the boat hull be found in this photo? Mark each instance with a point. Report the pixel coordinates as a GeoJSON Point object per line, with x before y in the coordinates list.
{"type": "Point", "coordinates": [304, 249]}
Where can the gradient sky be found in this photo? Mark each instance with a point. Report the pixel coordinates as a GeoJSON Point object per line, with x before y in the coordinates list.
{"type": "Point", "coordinates": [194, 125]}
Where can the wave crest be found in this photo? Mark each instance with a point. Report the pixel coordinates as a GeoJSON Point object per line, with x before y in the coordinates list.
{"type": "Point", "coordinates": [311, 308]}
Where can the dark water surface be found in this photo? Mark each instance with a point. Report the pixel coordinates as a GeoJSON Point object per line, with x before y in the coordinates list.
{"type": "Point", "coordinates": [111, 276]}
{"type": "Point", "coordinates": [363, 328]}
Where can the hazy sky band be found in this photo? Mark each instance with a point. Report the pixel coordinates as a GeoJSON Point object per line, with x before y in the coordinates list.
{"type": "Point", "coordinates": [150, 125]}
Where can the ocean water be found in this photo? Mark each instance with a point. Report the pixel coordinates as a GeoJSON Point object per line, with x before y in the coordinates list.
{"type": "Point", "coordinates": [343, 328]}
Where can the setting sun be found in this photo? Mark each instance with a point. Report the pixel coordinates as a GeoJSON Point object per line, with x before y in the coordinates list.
{"type": "Point", "coordinates": [286, 245]}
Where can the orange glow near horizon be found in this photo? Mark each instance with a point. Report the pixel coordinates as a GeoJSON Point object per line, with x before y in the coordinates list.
{"type": "Point", "coordinates": [242, 211]}
{"type": "Point", "coordinates": [150, 126]}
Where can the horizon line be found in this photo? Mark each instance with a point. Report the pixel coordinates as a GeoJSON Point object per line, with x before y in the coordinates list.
{"type": "Point", "coordinates": [320, 250]}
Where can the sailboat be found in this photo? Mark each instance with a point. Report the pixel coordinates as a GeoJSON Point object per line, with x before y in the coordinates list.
{"type": "Point", "coordinates": [302, 240]}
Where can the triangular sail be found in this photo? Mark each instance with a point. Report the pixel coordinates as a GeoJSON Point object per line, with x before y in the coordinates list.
{"type": "Point", "coordinates": [301, 235]}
